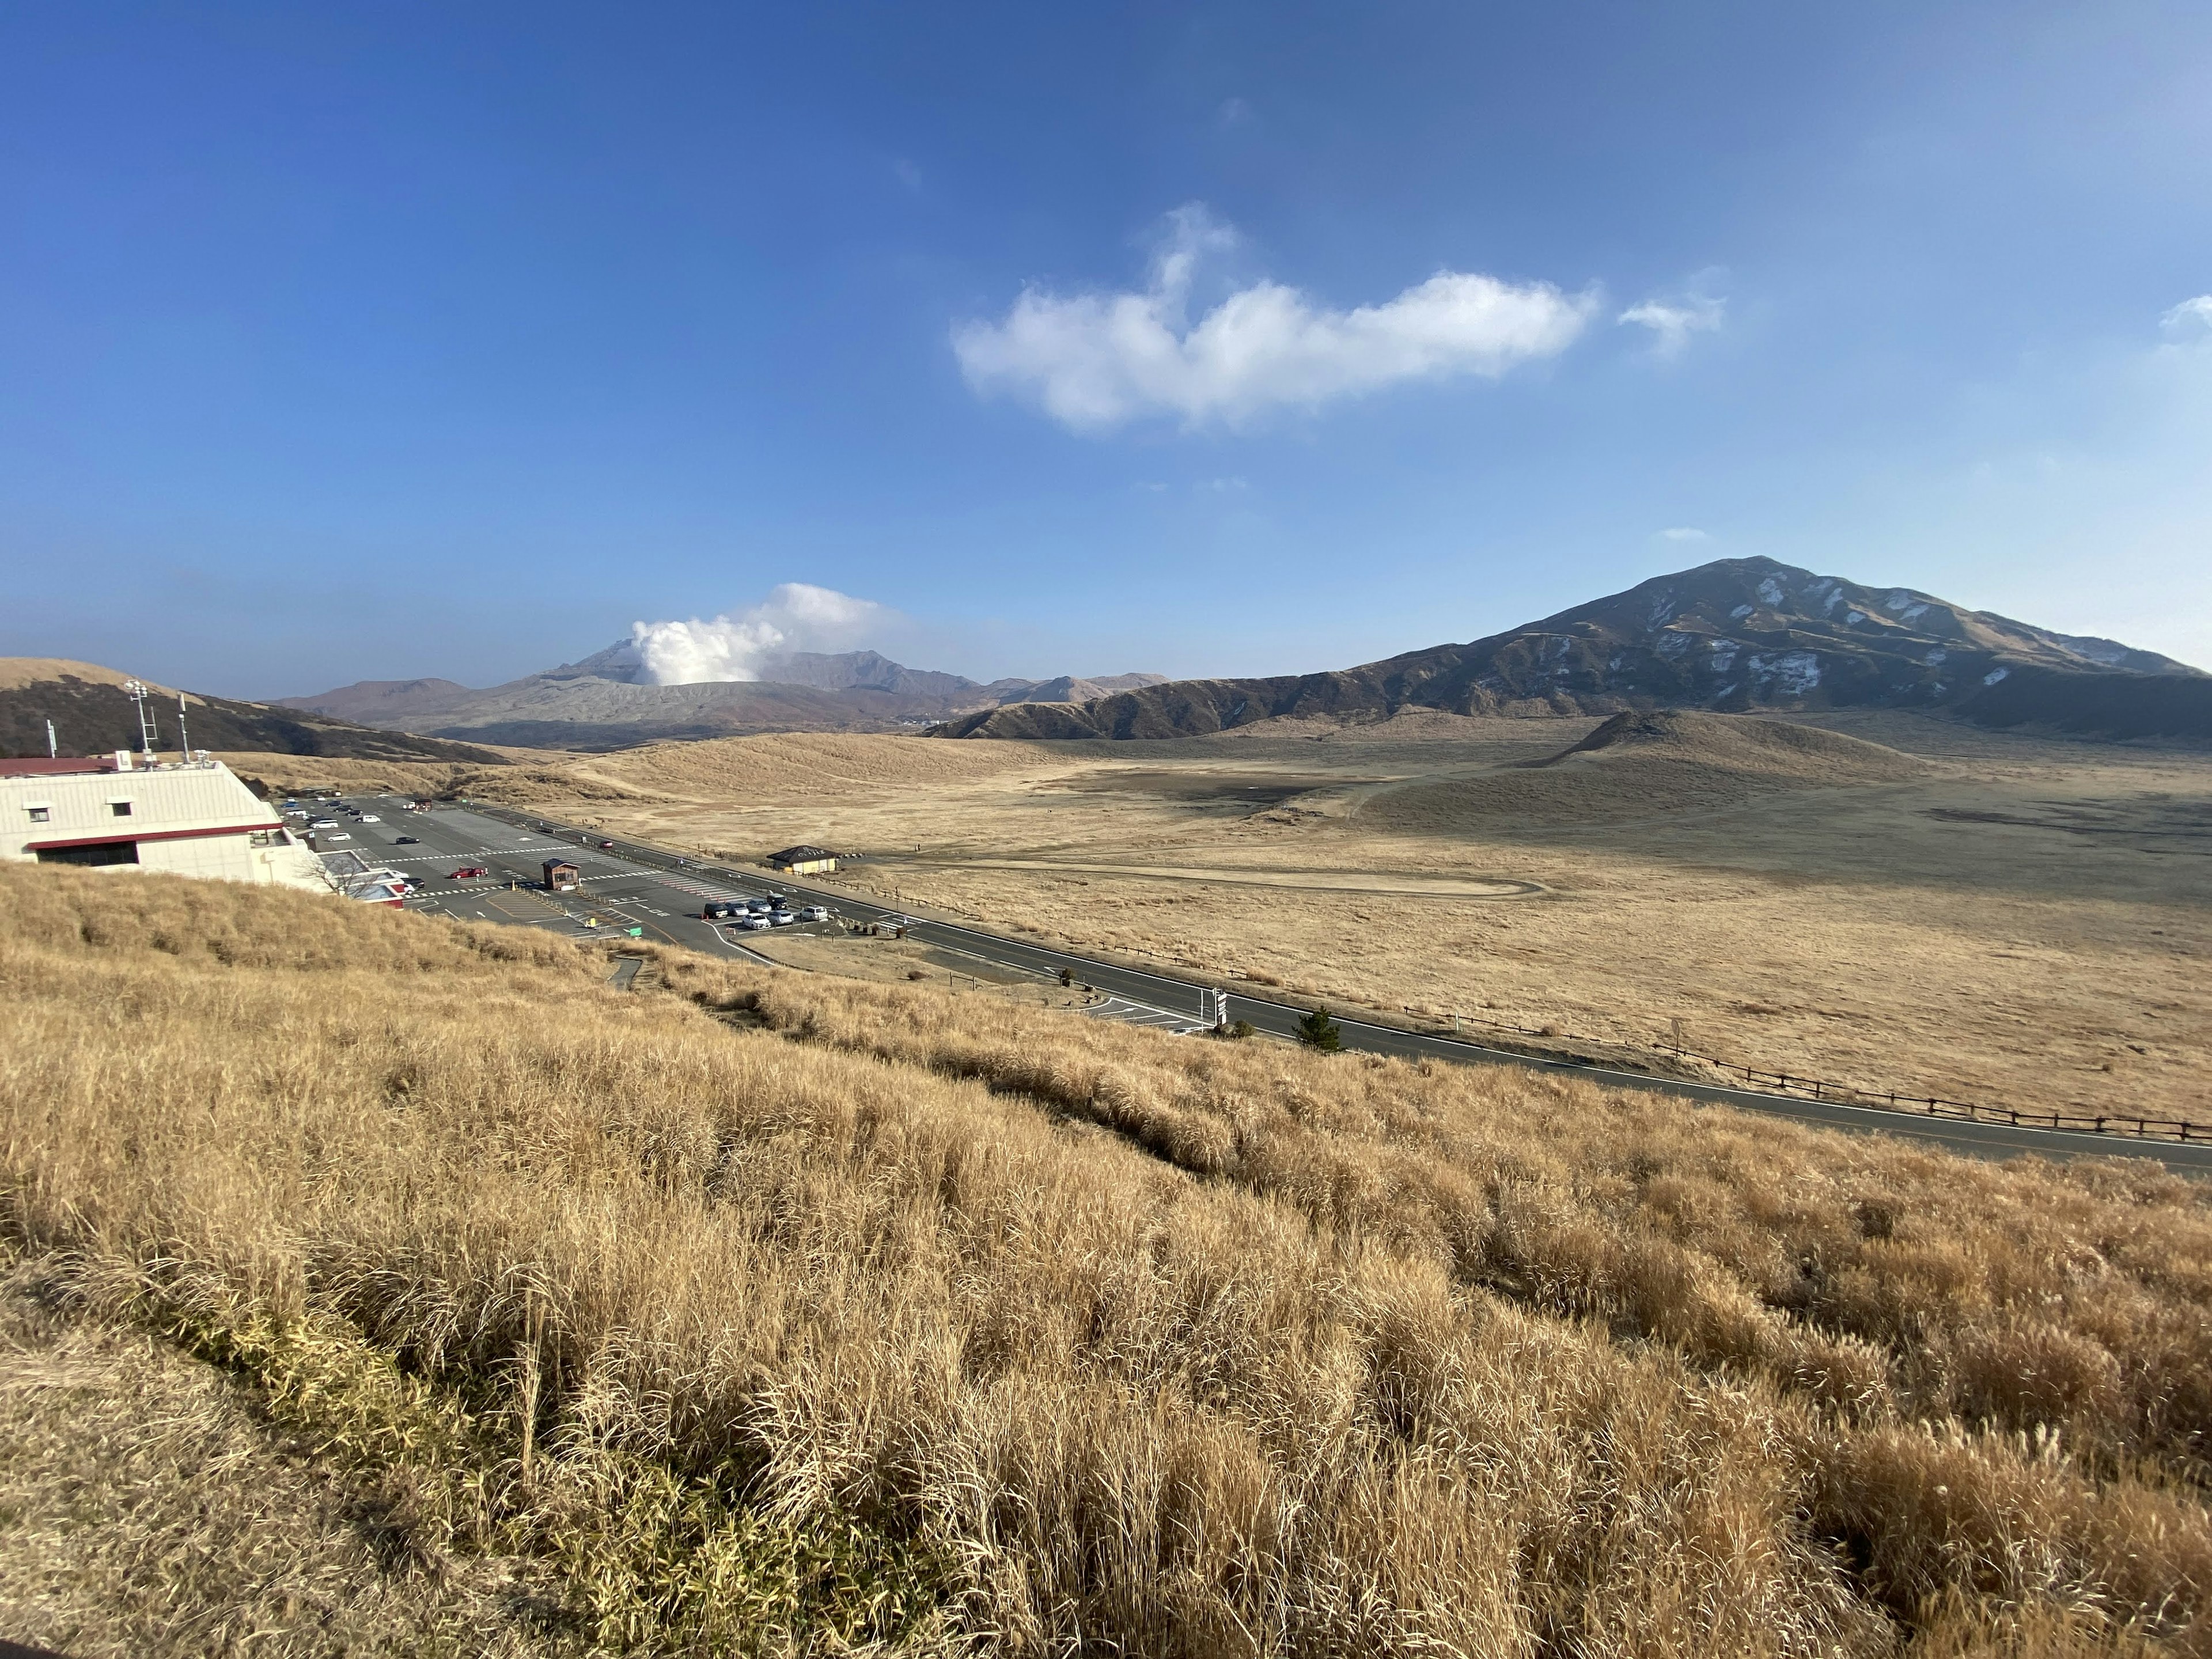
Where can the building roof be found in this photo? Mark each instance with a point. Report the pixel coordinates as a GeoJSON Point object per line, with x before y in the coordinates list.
{"type": "Point", "coordinates": [39, 767]}
{"type": "Point", "coordinates": [801, 856]}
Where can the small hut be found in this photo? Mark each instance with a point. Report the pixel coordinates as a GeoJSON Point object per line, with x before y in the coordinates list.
{"type": "Point", "coordinates": [560, 876]}
{"type": "Point", "coordinates": [802, 860]}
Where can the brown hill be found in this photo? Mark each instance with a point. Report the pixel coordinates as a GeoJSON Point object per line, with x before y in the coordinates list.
{"type": "Point", "coordinates": [1781, 750]}
{"type": "Point", "coordinates": [92, 713]}
{"type": "Point", "coordinates": [1733, 636]}
{"type": "Point", "coordinates": [1641, 764]}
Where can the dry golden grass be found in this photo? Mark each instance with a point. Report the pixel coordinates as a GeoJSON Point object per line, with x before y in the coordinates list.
{"type": "Point", "coordinates": [145, 1507]}
{"type": "Point", "coordinates": [1992, 918]}
{"type": "Point", "coordinates": [16, 672]}
{"type": "Point", "coordinates": [768, 1311]}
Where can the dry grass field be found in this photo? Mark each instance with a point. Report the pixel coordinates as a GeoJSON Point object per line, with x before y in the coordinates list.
{"type": "Point", "coordinates": [1939, 911]}
{"type": "Point", "coordinates": [775, 1312]}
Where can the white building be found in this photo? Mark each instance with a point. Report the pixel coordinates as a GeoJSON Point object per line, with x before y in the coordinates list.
{"type": "Point", "coordinates": [185, 817]}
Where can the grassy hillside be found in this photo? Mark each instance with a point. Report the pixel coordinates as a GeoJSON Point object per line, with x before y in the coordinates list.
{"type": "Point", "coordinates": [92, 715]}
{"type": "Point", "coordinates": [755, 1311]}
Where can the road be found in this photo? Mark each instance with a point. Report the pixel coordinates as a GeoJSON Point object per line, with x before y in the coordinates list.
{"type": "Point", "coordinates": [660, 892]}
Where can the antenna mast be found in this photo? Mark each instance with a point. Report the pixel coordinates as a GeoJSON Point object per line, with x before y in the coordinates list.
{"type": "Point", "coordinates": [53, 744]}
{"type": "Point", "coordinates": [184, 738]}
{"type": "Point", "coordinates": [136, 691]}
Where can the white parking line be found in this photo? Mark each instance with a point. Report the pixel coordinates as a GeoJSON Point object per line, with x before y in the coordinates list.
{"type": "Point", "coordinates": [1137, 1013]}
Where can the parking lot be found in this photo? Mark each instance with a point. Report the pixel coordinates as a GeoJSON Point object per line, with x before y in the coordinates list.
{"type": "Point", "coordinates": [613, 896]}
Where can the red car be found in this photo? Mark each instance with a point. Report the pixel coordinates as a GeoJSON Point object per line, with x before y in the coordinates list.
{"type": "Point", "coordinates": [606, 847]}
{"type": "Point", "coordinates": [467, 872]}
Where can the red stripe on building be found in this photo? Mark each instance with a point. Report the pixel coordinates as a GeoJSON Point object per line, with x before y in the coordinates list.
{"type": "Point", "coordinates": [112, 837]}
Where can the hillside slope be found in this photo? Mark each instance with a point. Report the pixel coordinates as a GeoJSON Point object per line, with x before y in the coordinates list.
{"type": "Point", "coordinates": [756, 1310]}
{"type": "Point", "coordinates": [1638, 764]}
{"type": "Point", "coordinates": [92, 713]}
{"type": "Point", "coordinates": [1735, 635]}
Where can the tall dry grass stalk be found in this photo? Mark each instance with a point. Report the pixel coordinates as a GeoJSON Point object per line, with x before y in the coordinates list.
{"type": "Point", "coordinates": [866, 1317]}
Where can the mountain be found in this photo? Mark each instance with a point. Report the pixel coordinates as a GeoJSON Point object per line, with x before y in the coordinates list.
{"type": "Point", "coordinates": [93, 715]}
{"type": "Point", "coordinates": [368, 700]}
{"type": "Point", "coordinates": [598, 703]}
{"type": "Point", "coordinates": [1731, 635]}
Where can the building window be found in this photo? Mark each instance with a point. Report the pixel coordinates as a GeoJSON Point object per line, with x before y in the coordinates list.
{"type": "Point", "coordinates": [41, 814]}
{"type": "Point", "coordinates": [105, 852]}
{"type": "Point", "coordinates": [120, 808]}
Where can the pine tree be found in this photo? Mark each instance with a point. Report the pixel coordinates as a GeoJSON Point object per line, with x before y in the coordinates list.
{"type": "Point", "coordinates": [1318, 1030]}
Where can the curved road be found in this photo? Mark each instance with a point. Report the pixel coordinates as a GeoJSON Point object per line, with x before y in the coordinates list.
{"type": "Point", "coordinates": [1173, 999]}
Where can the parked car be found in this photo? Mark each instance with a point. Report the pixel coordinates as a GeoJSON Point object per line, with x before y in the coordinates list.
{"type": "Point", "coordinates": [369, 818]}
{"type": "Point", "coordinates": [327, 840]}
{"type": "Point", "coordinates": [814, 912]}
{"type": "Point", "coordinates": [754, 924]}
{"type": "Point", "coordinates": [323, 823]}
{"type": "Point", "coordinates": [717, 908]}
{"type": "Point", "coordinates": [408, 841]}
{"type": "Point", "coordinates": [780, 918]}
{"type": "Point", "coordinates": [468, 873]}
{"type": "Point", "coordinates": [759, 907]}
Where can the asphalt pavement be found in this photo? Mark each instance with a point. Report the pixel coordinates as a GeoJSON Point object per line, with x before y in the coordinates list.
{"type": "Point", "coordinates": [659, 893]}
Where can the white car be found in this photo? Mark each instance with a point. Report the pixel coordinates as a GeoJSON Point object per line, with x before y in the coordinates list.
{"type": "Point", "coordinates": [814, 912]}
{"type": "Point", "coordinates": [780, 918]}
{"type": "Point", "coordinates": [370, 817]}
{"type": "Point", "coordinates": [323, 823]}
{"type": "Point", "coordinates": [753, 924]}
{"type": "Point", "coordinates": [335, 838]}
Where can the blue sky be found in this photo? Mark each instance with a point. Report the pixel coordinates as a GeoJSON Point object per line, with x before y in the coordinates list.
{"type": "Point", "coordinates": [371, 341]}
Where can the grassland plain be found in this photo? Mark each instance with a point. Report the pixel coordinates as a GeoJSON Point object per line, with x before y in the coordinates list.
{"type": "Point", "coordinates": [773, 1312]}
{"type": "Point", "coordinates": [1938, 910]}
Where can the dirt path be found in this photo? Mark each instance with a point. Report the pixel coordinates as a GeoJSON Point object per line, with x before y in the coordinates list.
{"type": "Point", "coordinates": [1318, 881]}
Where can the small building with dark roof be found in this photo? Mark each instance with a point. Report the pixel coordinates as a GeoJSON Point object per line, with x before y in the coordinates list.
{"type": "Point", "coordinates": [560, 876]}
{"type": "Point", "coordinates": [802, 860]}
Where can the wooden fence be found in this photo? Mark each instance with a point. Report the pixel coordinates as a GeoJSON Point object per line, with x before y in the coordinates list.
{"type": "Point", "coordinates": [1844, 1094]}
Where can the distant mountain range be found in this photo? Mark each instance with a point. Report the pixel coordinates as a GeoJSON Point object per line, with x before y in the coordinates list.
{"type": "Point", "coordinates": [1731, 635]}
{"type": "Point", "coordinates": [93, 715]}
{"type": "Point", "coordinates": [599, 704]}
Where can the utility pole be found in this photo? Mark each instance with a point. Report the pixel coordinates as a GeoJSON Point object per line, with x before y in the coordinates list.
{"type": "Point", "coordinates": [183, 738]}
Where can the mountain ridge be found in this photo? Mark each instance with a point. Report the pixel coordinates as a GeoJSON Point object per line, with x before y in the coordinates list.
{"type": "Point", "coordinates": [1730, 636]}
{"type": "Point", "coordinates": [595, 703]}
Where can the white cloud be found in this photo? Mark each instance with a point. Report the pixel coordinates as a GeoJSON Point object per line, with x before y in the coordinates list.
{"type": "Point", "coordinates": [795, 616]}
{"type": "Point", "coordinates": [1684, 533]}
{"type": "Point", "coordinates": [1094, 361]}
{"type": "Point", "coordinates": [1672, 320]}
{"type": "Point", "coordinates": [2190, 319]}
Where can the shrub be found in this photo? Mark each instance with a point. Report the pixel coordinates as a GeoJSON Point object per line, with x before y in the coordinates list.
{"type": "Point", "coordinates": [1317, 1030]}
